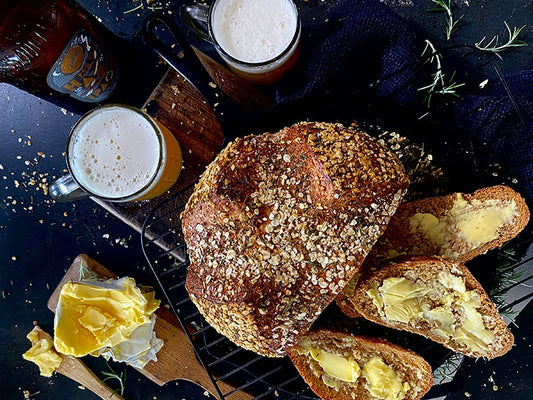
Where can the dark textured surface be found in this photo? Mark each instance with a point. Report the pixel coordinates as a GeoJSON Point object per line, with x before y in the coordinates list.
{"type": "Point", "coordinates": [39, 239]}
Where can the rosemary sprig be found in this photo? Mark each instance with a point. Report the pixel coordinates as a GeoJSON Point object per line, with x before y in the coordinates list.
{"type": "Point", "coordinates": [440, 84]}
{"type": "Point", "coordinates": [85, 273]}
{"type": "Point", "coordinates": [121, 378]}
{"type": "Point", "coordinates": [445, 7]}
{"type": "Point", "coordinates": [448, 369]}
{"type": "Point", "coordinates": [150, 6]}
{"type": "Point", "coordinates": [494, 46]}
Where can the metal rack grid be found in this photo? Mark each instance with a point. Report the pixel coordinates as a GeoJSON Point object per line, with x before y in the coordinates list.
{"type": "Point", "coordinates": [506, 273]}
{"type": "Point", "coordinates": [267, 378]}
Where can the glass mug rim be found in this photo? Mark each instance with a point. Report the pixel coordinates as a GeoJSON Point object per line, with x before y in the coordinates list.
{"type": "Point", "coordinates": [160, 140]}
{"type": "Point", "coordinates": [260, 64]}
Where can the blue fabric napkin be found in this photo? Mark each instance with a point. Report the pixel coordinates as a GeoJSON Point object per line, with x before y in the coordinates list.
{"type": "Point", "coordinates": [367, 45]}
{"type": "Point", "coordinates": [364, 42]}
{"type": "Point", "coordinates": [500, 133]}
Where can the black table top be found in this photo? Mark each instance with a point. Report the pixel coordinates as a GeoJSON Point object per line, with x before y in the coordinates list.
{"type": "Point", "coordinates": [40, 238]}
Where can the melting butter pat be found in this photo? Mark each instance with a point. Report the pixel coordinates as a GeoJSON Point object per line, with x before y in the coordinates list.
{"type": "Point", "coordinates": [383, 381]}
{"type": "Point", "coordinates": [480, 221]}
{"type": "Point", "coordinates": [333, 368]}
{"type": "Point", "coordinates": [455, 314]}
{"type": "Point", "coordinates": [335, 365]}
{"type": "Point", "coordinates": [476, 222]}
{"type": "Point", "coordinates": [43, 354]}
{"type": "Point", "coordinates": [92, 315]}
{"type": "Point", "coordinates": [398, 299]}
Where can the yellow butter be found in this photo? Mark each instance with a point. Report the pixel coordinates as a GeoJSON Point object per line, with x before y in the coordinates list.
{"type": "Point", "coordinates": [94, 315]}
{"type": "Point", "coordinates": [455, 315]}
{"type": "Point", "coordinates": [382, 381]}
{"type": "Point", "coordinates": [430, 227]}
{"type": "Point", "coordinates": [398, 299]}
{"type": "Point", "coordinates": [476, 222]}
{"type": "Point", "coordinates": [43, 354]}
{"type": "Point", "coordinates": [335, 365]}
{"type": "Point", "coordinates": [332, 368]}
{"type": "Point", "coordinates": [479, 221]}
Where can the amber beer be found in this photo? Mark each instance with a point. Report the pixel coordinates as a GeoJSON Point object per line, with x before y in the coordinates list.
{"type": "Point", "coordinates": [119, 153]}
{"type": "Point", "coordinates": [258, 39]}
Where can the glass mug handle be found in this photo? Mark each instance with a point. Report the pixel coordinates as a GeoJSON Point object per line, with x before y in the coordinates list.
{"type": "Point", "coordinates": [66, 189]}
{"type": "Point", "coordinates": [196, 17]}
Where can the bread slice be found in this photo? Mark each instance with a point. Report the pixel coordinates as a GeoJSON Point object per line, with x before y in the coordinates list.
{"type": "Point", "coordinates": [280, 222]}
{"type": "Point", "coordinates": [436, 298]}
{"type": "Point", "coordinates": [368, 368]}
{"type": "Point", "coordinates": [457, 226]}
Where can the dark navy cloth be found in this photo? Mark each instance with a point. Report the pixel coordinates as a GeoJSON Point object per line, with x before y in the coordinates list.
{"type": "Point", "coordinates": [367, 45]}
{"type": "Point", "coordinates": [365, 42]}
{"type": "Point", "coordinates": [499, 122]}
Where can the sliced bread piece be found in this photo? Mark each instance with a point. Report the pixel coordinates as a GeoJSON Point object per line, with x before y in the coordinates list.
{"type": "Point", "coordinates": [436, 298]}
{"type": "Point", "coordinates": [340, 366]}
{"type": "Point", "coordinates": [457, 226]}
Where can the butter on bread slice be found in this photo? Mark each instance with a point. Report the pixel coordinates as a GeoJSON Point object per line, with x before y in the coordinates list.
{"type": "Point", "coordinates": [457, 226]}
{"type": "Point", "coordinates": [436, 298]}
{"type": "Point", "coordinates": [341, 366]}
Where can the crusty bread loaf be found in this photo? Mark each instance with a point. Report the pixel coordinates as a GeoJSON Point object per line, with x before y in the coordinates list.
{"type": "Point", "coordinates": [279, 223]}
{"type": "Point", "coordinates": [457, 226]}
{"type": "Point", "coordinates": [437, 298]}
{"type": "Point", "coordinates": [404, 374]}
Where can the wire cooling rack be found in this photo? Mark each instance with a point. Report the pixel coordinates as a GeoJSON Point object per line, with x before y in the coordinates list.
{"type": "Point", "coordinates": [506, 273]}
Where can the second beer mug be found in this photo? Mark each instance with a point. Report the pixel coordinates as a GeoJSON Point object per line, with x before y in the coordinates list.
{"type": "Point", "coordinates": [258, 39]}
{"type": "Point", "coordinates": [118, 153]}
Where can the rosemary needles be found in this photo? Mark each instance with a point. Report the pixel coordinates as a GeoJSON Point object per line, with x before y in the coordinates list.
{"type": "Point", "coordinates": [121, 378]}
{"type": "Point", "coordinates": [441, 84]}
{"type": "Point", "coordinates": [446, 85]}
{"type": "Point", "coordinates": [493, 46]}
{"type": "Point", "coordinates": [445, 7]}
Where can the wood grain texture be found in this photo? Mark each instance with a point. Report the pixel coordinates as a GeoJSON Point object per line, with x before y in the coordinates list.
{"type": "Point", "coordinates": [176, 359]}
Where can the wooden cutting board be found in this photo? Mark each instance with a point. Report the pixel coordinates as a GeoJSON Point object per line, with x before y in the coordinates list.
{"type": "Point", "coordinates": [175, 360]}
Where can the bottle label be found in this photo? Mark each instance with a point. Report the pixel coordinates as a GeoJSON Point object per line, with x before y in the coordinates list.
{"type": "Point", "coordinates": [84, 70]}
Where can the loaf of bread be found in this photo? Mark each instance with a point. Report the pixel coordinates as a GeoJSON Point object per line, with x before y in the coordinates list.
{"type": "Point", "coordinates": [437, 298]}
{"type": "Point", "coordinates": [339, 366]}
{"type": "Point", "coordinates": [279, 223]}
{"type": "Point", "coordinates": [457, 226]}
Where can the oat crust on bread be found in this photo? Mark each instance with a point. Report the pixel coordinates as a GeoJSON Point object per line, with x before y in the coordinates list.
{"type": "Point", "coordinates": [279, 223]}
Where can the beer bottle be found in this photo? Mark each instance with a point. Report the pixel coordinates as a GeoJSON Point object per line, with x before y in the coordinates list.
{"type": "Point", "coordinates": [51, 44]}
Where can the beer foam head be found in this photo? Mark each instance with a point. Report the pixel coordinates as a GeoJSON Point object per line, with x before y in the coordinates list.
{"type": "Point", "coordinates": [254, 31]}
{"type": "Point", "coordinates": [114, 152]}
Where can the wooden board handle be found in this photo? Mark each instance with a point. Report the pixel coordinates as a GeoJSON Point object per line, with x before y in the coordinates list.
{"type": "Point", "coordinates": [76, 370]}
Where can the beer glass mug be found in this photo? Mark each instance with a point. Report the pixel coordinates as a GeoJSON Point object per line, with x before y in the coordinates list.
{"type": "Point", "coordinates": [118, 153]}
{"type": "Point", "coordinates": [258, 39]}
